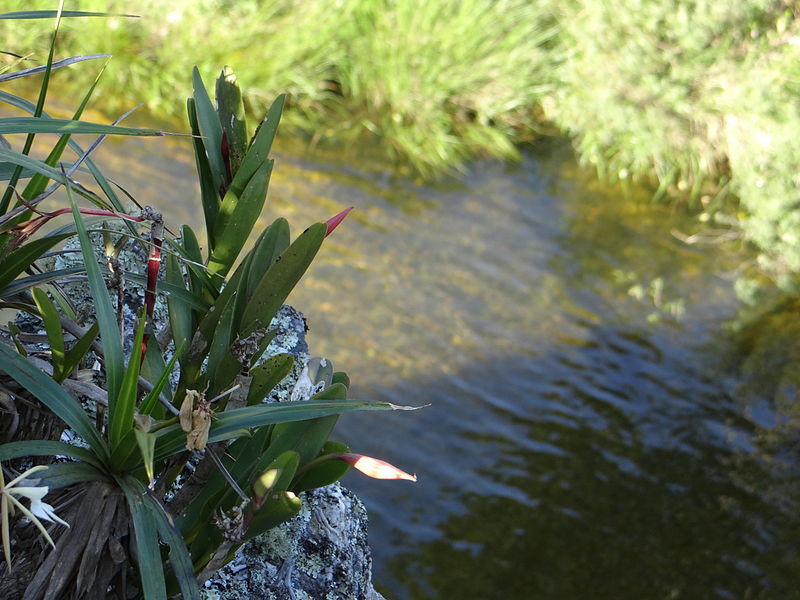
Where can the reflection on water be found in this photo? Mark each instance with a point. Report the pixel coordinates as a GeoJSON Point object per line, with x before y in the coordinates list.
{"type": "Point", "coordinates": [583, 438]}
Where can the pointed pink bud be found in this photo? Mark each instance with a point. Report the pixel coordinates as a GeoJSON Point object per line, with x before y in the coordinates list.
{"type": "Point", "coordinates": [333, 222]}
{"type": "Point", "coordinates": [372, 467]}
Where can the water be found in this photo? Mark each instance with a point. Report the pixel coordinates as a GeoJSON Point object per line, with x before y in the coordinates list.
{"type": "Point", "coordinates": [585, 437]}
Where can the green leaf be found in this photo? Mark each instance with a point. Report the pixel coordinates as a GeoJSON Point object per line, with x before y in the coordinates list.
{"type": "Point", "coordinates": [307, 437]}
{"type": "Point", "coordinates": [148, 552]}
{"type": "Point", "coordinates": [278, 475]}
{"type": "Point", "coordinates": [232, 423]}
{"type": "Point", "coordinates": [55, 336]}
{"type": "Point", "coordinates": [121, 417]}
{"type": "Point", "coordinates": [150, 401]}
{"type": "Point", "coordinates": [147, 445]}
{"type": "Point", "coordinates": [209, 195]}
{"type": "Point", "coordinates": [237, 215]}
{"type": "Point", "coordinates": [269, 246]}
{"type": "Point", "coordinates": [53, 396]}
{"type": "Point", "coordinates": [258, 153]}
{"type": "Point", "coordinates": [50, 14]}
{"type": "Point", "coordinates": [36, 125]}
{"type": "Point", "coordinates": [179, 558]}
{"type": "Point", "coordinates": [63, 474]}
{"type": "Point", "coordinates": [274, 287]}
{"type": "Point", "coordinates": [181, 320]}
{"type": "Point", "coordinates": [112, 344]}
{"type": "Point", "coordinates": [18, 158]}
{"type": "Point", "coordinates": [267, 375]}
{"type": "Point", "coordinates": [79, 350]}
{"type": "Point", "coordinates": [25, 283]}
{"type": "Point", "coordinates": [230, 109]}
{"type": "Point", "coordinates": [172, 290]}
{"type": "Point", "coordinates": [23, 257]}
{"type": "Point", "coordinates": [324, 473]}
{"type": "Point", "coordinates": [39, 182]}
{"type": "Point", "coordinates": [210, 129]}
{"type": "Point", "coordinates": [218, 367]}
{"type": "Point", "coordinates": [277, 508]}
{"type": "Point", "coordinates": [47, 448]}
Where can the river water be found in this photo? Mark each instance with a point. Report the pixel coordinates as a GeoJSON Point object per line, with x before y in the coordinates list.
{"type": "Point", "coordinates": [585, 435]}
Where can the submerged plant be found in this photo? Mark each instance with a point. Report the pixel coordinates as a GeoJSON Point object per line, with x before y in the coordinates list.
{"type": "Point", "coordinates": [133, 431]}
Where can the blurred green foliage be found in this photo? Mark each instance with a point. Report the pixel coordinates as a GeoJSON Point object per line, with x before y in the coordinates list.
{"type": "Point", "coordinates": [698, 97]}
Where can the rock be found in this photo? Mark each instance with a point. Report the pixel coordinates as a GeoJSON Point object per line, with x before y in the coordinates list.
{"type": "Point", "coordinates": [321, 554]}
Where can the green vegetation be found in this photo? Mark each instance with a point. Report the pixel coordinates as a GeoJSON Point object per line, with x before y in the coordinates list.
{"type": "Point", "coordinates": [136, 433]}
{"type": "Point", "coordinates": [698, 98]}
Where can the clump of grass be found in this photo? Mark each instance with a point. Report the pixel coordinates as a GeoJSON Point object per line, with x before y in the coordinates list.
{"type": "Point", "coordinates": [700, 96]}
{"type": "Point", "coordinates": [440, 82]}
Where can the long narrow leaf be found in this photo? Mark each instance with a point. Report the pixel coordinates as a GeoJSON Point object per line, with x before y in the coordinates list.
{"type": "Point", "coordinates": [53, 396]}
{"type": "Point", "coordinates": [47, 448]}
{"type": "Point", "coordinates": [64, 62]}
{"type": "Point", "coordinates": [60, 475]}
{"type": "Point", "coordinates": [260, 147]}
{"type": "Point", "coordinates": [55, 336]}
{"type": "Point", "coordinates": [36, 125]}
{"type": "Point", "coordinates": [15, 263]}
{"type": "Point", "coordinates": [148, 553]}
{"type": "Point", "coordinates": [209, 195]}
{"type": "Point", "coordinates": [12, 183]}
{"type": "Point", "coordinates": [231, 423]}
{"type": "Point", "coordinates": [39, 182]}
{"type": "Point", "coordinates": [172, 291]}
{"type": "Point", "coordinates": [121, 418]}
{"type": "Point", "coordinates": [151, 400]}
{"type": "Point", "coordinates": [179, 557]}
{"type": "Point", "coordinates": [210, 129]}
{"type": "Point", "coordinates": [78, 351]}
{"type": "Point", "coordinates": [50, 14]}
{"type": "Point", "coordinates": [280, 279]}
{"type": "Point", "coordinates": [112, 345]}
{"type": "Point", "coordinates": [25, 283]}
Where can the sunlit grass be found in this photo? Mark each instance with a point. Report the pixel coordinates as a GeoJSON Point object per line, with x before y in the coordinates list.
{"type": "Point", "coordinates": [440, 82]}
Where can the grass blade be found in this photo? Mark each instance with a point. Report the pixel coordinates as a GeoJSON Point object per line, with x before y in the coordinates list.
{"type": "Point", "coordinates": [50, 14]}
{"type": "Point", "coordinates": [64, 62]}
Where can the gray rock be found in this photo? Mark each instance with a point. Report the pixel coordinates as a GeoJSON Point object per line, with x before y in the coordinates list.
{"type": "Point", "coordinates": [321, 554]}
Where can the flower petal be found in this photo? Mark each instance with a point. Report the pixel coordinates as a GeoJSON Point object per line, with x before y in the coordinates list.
{"type": "Point", "coordinates": [375, 468]}
{"type": "Point", "coordinates": [44, 511]}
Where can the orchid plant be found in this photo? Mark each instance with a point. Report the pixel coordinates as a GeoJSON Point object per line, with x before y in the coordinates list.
{"type": "Point", "coordinates": [250, 460]}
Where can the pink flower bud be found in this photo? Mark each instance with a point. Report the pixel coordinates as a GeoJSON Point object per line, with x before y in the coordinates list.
{"type": "Point", "coordinates": [372, 467]}
{"type": "Point", "coordinates": [333, 222]}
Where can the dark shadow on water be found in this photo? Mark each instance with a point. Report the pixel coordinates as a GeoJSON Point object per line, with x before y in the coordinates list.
{"type": "Point", "coordinates": [629, 474]}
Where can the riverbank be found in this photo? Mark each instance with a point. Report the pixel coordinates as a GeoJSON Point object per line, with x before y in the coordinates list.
{"type": "Point", "coordinates": [700, 98]}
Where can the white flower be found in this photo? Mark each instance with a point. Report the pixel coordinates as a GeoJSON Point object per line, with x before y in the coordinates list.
{"type": "Point", "coordinates": [9, 502]}
{"type": "Point", "coordinates": [40, 509]}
